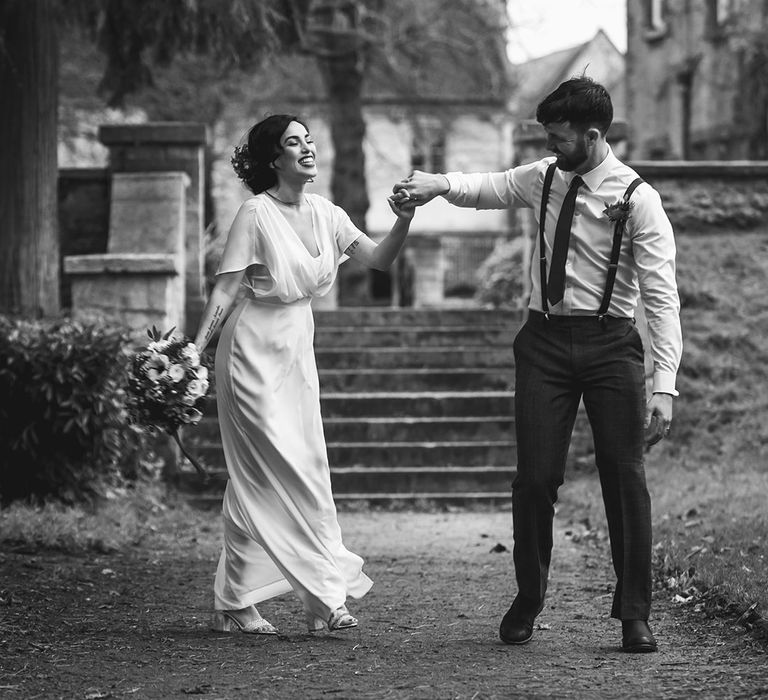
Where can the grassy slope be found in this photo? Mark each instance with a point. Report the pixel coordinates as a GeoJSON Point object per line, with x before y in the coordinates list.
{"type": "Point", "coordinates": [709, 482]}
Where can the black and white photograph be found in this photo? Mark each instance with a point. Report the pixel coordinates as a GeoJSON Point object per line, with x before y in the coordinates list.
{"type": "Point", "coordinates": [383, 349]}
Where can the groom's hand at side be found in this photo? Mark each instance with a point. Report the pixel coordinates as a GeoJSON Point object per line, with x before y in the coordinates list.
{"type": "Point", "coordinates": [420, 187]}
{"type": "Point", "coordinates": [658, 418]}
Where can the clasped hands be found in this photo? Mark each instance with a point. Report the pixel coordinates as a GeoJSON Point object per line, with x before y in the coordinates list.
{"type": "Point", "coordinates": [417, 189]}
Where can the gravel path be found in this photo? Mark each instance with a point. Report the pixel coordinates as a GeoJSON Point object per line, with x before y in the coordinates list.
{"type": "Point", "coordinates": [134, 624]}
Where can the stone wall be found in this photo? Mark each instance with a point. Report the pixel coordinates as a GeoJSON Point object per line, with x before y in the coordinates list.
{"type": "Point", "coordinates": [702, 197]}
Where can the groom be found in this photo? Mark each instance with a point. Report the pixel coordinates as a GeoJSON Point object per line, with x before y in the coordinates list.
{"type": "Point", "coordinates": [604, 242]}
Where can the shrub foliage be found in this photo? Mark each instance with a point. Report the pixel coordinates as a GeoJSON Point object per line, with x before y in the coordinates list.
{"type": "Point", "coordinates": [500, 277]}
{"type": "Point", "coordinates": [64, 432]}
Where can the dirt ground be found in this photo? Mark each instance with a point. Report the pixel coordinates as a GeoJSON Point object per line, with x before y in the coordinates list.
{"type": "Point", "coordinates": [134, 624]}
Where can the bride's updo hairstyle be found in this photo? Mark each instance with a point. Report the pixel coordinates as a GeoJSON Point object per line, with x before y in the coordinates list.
{"type": "Point", "coordinates": [253, 160]}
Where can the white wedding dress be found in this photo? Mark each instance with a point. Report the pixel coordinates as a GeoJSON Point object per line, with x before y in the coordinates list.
{"type": "Point", "coordinates": [280, 526]}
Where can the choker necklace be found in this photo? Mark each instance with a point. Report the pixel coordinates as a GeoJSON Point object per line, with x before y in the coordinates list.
{"type": "Point", "coordinates": [288, 204]}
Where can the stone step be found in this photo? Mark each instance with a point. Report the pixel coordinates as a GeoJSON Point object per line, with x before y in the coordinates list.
{"type": "Point", "coordinates": [395, 454]}
{"type": "Point", "coordinates": [434, 404]}
{"type": "Point", "coordinates": [383, 429]}
{"type": "Point", "coordinates": [452, 453]}
{"type": "Point", "coordinates": [405, 404]}
{"type": "Point", "coordinates": [409, 429]}
{"type": "Point", "coordinates": [458, 356]}
{"type": "Point", "coordinates": [352, 317]}
{"type": "Point", "coordinates": [420, 480]}
{"type": "Point", "coordinates": [211, 500]}
{"type": "Point", "coordinates": [402, 482]}
{"type": "Point", "coordinates": [405, 357]}
{"type": "Point", "coordinates": [414, 337]}
{"type": "Point", "coordinates": [417, 379]}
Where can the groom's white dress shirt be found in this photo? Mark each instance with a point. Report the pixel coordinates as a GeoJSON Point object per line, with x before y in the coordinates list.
{"type": "Point", "coordinates": [646, 261]}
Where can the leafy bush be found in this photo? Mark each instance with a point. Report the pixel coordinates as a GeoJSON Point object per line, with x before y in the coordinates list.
{"type": "Point", "coordinates": [64, 432]}
{"type": "Point", "coordinates": [500, 277]}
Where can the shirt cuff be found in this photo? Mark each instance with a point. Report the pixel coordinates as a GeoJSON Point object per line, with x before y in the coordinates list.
{"type": "Point", "coordinates": [664, 383]}
{"type": "Point", "coordinates": [454, 187]}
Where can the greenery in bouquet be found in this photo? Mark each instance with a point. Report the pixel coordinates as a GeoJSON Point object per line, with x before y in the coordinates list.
{"type": "Point", "coordinates": [167, 385]}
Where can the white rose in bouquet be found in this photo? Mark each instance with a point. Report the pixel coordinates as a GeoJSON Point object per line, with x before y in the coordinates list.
{"type": "Point", "coordinates": [176, 373]}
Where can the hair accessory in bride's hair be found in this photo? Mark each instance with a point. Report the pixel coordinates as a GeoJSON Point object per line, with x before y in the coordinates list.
{"type": "Point", "coordinates": [241, 162]}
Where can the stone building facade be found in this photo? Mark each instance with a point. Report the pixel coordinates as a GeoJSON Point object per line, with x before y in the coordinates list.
{"type": "Point", "coordinates": [696, 87]}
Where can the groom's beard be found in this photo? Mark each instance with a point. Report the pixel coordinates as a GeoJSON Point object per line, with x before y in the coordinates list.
{"type": "Point", "coordinates": [572, 161]}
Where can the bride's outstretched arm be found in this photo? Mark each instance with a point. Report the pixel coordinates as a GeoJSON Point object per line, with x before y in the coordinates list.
{"type": "Point", "coordinates": [219, 303]}
{"type": "Point", "coordinates": [381, 255]}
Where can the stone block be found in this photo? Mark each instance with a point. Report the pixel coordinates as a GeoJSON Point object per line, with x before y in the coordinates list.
{"type": "Point", "coordinates": [148, 213]}
{"type": "Point", "coordinates": [125, 263]}
{"type": "Point", "coordinates": [131, 295]}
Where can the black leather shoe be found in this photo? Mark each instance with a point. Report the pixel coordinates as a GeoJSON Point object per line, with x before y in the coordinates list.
{"type": "Point", "coordinates": [516, 628]}
{"type": "Point", "coordinates": [636, 637]}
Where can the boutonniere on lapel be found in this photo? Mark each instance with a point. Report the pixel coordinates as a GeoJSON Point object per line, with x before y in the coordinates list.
{"type": "Point", "coordinates": [618, 212]}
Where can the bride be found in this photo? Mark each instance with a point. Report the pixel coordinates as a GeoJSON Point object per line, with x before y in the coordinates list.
{"type": "Point", "coordinates": [285, 245]}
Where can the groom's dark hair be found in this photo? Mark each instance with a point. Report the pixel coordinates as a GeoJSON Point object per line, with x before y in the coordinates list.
{"type": "Point", "coordinates": [580, 101]}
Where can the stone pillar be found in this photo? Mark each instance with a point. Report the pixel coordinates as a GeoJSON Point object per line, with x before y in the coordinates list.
{"type": "Point", "coordinates": [426, 256]}
{"type": "Point", "coordinates": [140, 280]}
{"type": "Point", "coordinates": [170, 147]}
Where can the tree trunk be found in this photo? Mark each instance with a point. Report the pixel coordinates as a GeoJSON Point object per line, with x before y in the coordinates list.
{"type": "Point", "coordinates": [29, 246]}
{"type": "Point", "coordinates": [343, 77]}
{"type": "Point", "coordinates": [344, 81]}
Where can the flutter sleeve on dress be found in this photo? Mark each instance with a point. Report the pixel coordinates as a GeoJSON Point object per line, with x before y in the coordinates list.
{"type": "Point", "coordinates": [243, 247]}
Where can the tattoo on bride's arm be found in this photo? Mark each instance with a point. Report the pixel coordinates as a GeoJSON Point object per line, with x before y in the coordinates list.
{"type": "Point", "coordinates": [217, 314]}
{"type": "Point", "coordinates": [352, 247]}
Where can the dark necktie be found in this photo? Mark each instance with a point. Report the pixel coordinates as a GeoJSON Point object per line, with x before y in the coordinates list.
{"type": "Point", "coordinates": [556, 282]}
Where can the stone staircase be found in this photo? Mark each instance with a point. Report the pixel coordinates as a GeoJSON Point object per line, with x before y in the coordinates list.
{"type": "Point", "coordinates": [417, 404]}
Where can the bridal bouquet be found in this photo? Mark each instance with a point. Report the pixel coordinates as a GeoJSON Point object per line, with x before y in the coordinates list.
{"type": "Point", "coordinates": [167, 385]}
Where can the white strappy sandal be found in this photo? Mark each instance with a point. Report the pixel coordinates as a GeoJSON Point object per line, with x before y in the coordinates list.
{"type": "Point", "coordinates": [340, 619]}
{"type": "Point", "coordinates": [224, 621]}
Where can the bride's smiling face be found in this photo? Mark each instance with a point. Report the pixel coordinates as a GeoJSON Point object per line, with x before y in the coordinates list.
{"type": "Point", "coordinates": [297, 160]}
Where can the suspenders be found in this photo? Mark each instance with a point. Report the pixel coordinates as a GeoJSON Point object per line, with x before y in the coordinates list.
{"type": "Point", "coordinates": [613, 265]}
{"type": "Point", "coordinates": [618, 234]}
